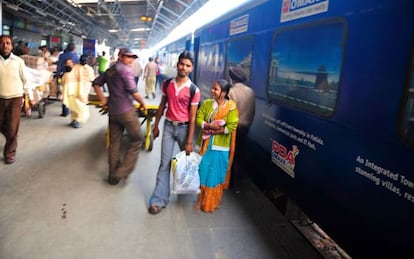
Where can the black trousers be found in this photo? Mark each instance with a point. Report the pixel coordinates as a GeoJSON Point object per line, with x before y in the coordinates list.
{"type": "Point", "coordinates": [238, 171]}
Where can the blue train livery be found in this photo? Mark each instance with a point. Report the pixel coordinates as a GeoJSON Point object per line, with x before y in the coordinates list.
{"type": "Point", "coordinates": [334, 112]}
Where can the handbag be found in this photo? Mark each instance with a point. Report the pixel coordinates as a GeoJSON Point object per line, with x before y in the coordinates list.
{"type": "Point", "coordinates": [186, 179]}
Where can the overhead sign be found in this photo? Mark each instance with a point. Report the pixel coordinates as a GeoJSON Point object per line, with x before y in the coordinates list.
{"type": "Point", "coordinates": [239, 25]}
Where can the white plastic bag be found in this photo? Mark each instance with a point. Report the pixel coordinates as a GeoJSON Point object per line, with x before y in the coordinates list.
{"type": "Point", "coordinates": [184, 169]}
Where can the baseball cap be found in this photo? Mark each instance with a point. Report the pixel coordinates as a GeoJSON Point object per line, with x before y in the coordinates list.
{"type": "Point", "coordinates": [127, 52]}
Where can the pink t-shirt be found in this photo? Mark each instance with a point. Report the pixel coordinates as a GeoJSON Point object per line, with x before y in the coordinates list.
{"type": "Point", "coordinates": [178, 101]}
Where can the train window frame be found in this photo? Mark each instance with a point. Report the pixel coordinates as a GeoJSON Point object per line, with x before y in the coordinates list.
{"type": "Point", "coordinates": [407, 105]}
{"type": "Point", "coordinates": [206, 77]}
{"type": "Point", "coordinates": [6, 29]}
{"type": "Point", "coordinates": [323, 88]}
{"type": "Point", "coordinates": [230, 61]}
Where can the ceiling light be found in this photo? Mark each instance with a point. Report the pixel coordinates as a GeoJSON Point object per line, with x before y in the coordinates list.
{"type": "Point", "coordinates": [145, 18]}
{"type": "Point", "coordinates": [141, 29]}
{"type": "Point", "coordinates": [113, 30]}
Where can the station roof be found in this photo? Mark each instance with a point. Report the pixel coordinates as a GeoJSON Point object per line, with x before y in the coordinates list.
{"type": "Point", "coordinates": [136, 24]}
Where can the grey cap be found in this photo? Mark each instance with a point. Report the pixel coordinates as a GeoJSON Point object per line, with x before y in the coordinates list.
{"type": "Point", "coordinates": [237, 73]}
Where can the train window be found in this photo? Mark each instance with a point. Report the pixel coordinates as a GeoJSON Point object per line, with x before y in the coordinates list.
{"type": "Point", "coordinates": [408, 117]}
{"type": "Point", "coordinates": [210, 66]}
{"type": "Point", "coordinates": [6, 30]}
{"type": "Point", "coordinates": [240, 52]}
{"type": "Point", "coordinates": [171, 59]}
{"type": "Point", "coordinates": [305, 67]}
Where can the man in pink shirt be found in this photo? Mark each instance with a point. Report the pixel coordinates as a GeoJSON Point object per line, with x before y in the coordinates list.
{"type": "Point", "coordinates": [178, 127]}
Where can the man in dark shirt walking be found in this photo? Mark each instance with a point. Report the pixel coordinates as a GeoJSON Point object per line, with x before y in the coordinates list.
{"type": "Point", "coordinates": [122, 114]}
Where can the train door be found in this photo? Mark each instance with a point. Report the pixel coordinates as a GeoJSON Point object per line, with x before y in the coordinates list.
{"type": "Point", "coordinates": [193, 47]}
{"type": "Point", "coordinates": [196, 47]}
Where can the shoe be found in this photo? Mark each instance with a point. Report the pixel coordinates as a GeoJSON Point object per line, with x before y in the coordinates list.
{"type": "Point", "coordinates": [154, 209]}
{"type": "Point", "coordinates": [113, 180]}
{"type": "Point", "coordinates": [10, 160]}
{"type": "Point", "coordinates": [153, 95]}
{"type": "Point", "coordinates": [76, 124]}
{"type": "Point", "coordinates": [146, 97]}
{"type": "Point", "coordinates": [65, 111]}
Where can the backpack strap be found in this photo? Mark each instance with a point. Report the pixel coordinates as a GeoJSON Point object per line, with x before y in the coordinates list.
{"type": "Point", "coordinates": [193, 89]}
{"type": "Point", "coordinates": [165, 85]}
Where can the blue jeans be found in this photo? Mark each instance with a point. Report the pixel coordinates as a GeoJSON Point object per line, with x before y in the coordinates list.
{"type": "Point", "coordinates": [104, 85]}
{"type": "Point", "coordinates": [171, 135]}
{"type": "Point", "coordinates": [158, 82]}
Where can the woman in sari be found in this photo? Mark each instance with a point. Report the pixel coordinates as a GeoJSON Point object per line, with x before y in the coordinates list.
{"type": "Point", "coordinates": [217, 117]}
{"type": "Point", "coordinates": [76, 86]}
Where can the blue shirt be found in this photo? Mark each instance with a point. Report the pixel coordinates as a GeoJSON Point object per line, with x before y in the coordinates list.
{"type": "Point", "coordinates": [60, 69]}
{"type": "Point", "coordinates": [121, 85]}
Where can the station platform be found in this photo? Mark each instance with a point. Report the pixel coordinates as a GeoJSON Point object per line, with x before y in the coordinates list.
{"type": "Point", "coordinates": [55, 203]}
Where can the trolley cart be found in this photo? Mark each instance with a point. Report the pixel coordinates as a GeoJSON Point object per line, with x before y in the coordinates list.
{"type": "Point", "coordinates": [40, 94]}
{"type": "Point", "coordinates": [38, 85]}
{"type": "Point", "coordinates": [147, 114]}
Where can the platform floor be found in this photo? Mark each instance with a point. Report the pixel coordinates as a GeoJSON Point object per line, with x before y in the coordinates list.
{"type": "Point", "coordinates": [55, 204]}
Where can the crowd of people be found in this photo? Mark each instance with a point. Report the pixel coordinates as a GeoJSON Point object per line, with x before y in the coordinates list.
{"type": "Point", "coordinates": [221, 128]}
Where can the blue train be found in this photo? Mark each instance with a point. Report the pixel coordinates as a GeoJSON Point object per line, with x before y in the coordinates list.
{"type": "Point", "coordinates": [334, 121]}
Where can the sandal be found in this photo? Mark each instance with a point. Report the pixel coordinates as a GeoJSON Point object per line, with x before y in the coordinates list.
{"type": "Point", "coordinates": [154, 209]}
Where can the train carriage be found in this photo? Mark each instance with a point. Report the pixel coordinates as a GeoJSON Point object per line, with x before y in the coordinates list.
{"type": "Point", "coordinates": [334, 120]}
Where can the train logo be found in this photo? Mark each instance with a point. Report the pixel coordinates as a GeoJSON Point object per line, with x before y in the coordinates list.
{"type": "Point", "coordinates": [295, 9]}
{"type": "Point", "coordinates": [285, 6]}
{"type": "Point", "coordinates": [283, 158]}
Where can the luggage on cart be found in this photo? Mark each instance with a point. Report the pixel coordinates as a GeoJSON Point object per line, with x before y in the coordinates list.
{"type": "Point", "coordinates": [38, 84]}
{"type": "Point", "coordinates": [40, 94]}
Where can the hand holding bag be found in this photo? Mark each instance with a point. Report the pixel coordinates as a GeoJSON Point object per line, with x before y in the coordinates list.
{"type": "Point", "coordinates": [186, 179]}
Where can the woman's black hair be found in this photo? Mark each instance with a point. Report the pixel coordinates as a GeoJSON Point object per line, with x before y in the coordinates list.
{"type": "Point", "coordinates": [224, 86]}
{"type": "Point", "coordinates": [83, 59]}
